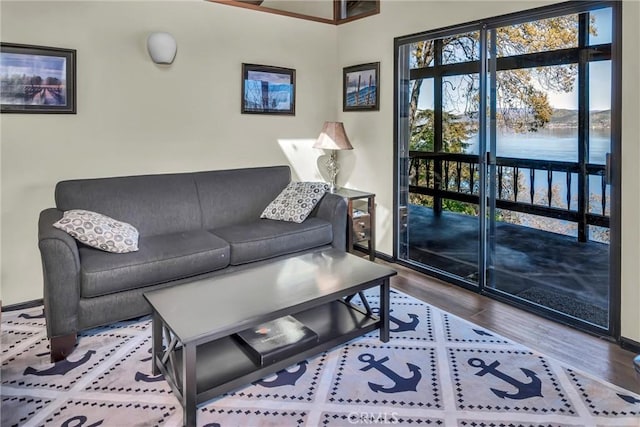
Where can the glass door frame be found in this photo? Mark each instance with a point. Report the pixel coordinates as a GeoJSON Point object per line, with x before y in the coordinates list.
{"type": "Point", "coordinates": [400, 142]}
{"type": "Point", "coordinates": [487, 162]}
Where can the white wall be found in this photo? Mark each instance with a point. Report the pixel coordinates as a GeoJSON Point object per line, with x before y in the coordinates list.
{"type": "Point", "coordinates": [371, 163]}
{"type": "Point", "coordinates": [136, 117]}
{"type": "Point", "coordinates": [630, 171]}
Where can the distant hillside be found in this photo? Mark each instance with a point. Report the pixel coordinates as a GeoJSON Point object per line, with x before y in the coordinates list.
{"type": "Point", "coordinates": [561, 118]}
{"type": "Point", "coordinates": [569, 119]}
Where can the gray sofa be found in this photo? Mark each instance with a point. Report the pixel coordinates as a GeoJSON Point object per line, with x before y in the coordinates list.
{"type": "Point", "coordinates": [191, 225]}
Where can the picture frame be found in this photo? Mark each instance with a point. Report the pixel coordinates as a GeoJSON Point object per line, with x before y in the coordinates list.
{"type": "Point", "coordinates": [37, 79]}
{"type": "Point", "coordinates": [268, 90]}
{"type": "Point", "coordinates": [360, 87]}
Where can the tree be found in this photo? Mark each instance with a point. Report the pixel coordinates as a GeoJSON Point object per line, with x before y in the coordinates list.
{"type": "Point", "coordinates": [455, 132]}
{"type": "Point", "coordinates": [35, 80]}
{"type": "Point", "coordinates": [52, 81]}
{"type": "Point", "coordinates": [524, 105]}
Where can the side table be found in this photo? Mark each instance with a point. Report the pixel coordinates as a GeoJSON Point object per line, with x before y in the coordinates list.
{"type": "Point", "coordinates": [361, 222]}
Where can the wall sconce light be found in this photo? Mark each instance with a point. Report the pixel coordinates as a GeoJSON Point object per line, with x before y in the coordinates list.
{"type": "Point", "coordinates": [162, 47]}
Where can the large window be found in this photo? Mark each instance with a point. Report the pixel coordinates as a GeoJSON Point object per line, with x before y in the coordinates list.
{"type": "Point", "coordinates": [504, 151]}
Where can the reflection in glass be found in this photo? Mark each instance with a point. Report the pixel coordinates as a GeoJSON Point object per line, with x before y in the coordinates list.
{"type": "Point", "coordinates": [351, 8]}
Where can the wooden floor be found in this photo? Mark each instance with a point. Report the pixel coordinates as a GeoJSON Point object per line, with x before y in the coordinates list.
{"type": "Point", "coordinates": [597, 356]}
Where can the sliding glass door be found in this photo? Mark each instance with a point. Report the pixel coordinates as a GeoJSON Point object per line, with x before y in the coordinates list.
{"type": "Point", "coordinates": [504, 152]}
{"type": "Point", "coordinates": [441, 178]}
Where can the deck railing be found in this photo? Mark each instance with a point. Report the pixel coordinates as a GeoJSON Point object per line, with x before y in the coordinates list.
{"type": "Point", "coordinates": [456, 177]}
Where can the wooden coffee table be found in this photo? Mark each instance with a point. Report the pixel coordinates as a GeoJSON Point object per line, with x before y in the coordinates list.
{"type": "Point", "coordinates": [202, 360]}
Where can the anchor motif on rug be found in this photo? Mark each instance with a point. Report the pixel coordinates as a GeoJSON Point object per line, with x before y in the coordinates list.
{"type": "Point", "coordinates": [525, 390]}
{"type": "Point", "coordinates": [32, 316]}
{"type": "Point", "coordinates": [402, 325]}
{"type": "Point", "coordinates": [141, 376]}
{"type": "Point", "coordinates": [628, 399]}
{"type": "Point", "coordinates": [482, 333]}
{"type": "Point", "coordinates": [285, 377]}
{"type": "Point", "coordinates": [80, 421]}
{"type": "Point", "coordinates": [401, 383]}
{"type": "Point", "coordinates": [150, 350]}
{"type": "Point", "coordinates": [61, 367]}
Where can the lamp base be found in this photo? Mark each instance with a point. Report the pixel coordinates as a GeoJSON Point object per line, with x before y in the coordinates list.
{"type": "Point", "coordinates": [332, 169]}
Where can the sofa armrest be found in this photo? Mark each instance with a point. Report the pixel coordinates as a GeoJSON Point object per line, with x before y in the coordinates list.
{"type": "Point", "coordinates": [61, 274]}
{"type": "Point", "coordinates": [333, 208]}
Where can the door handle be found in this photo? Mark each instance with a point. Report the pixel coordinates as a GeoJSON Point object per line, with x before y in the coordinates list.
{"type": "Point", "coordinates": [491, 160]}
{"type": "Point", "coordinates": [607, 169]}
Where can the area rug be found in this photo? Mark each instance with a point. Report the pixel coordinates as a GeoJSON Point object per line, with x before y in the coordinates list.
{"type": "Point", "coordinates": [437, 370]}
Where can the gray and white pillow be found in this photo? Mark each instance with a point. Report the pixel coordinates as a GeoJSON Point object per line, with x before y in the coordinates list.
{"type": "Point", "coordinates": [99, 231]}
{"type": "Point", "coordinates": [296, 201]}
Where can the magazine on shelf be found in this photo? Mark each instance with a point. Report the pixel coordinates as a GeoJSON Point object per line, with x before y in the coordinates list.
{"type": "Point", "coordinates": [357, 213]}
{"type": "Point", "coordinates": [276, 340]}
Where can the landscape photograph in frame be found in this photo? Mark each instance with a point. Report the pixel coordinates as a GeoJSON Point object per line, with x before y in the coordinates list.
{"type": "Point", "coordinates": [268, 90]}
{"type": "Point", "coordinates": [360, 87]}
{"type": "Point", "coordinates": [37, 79]}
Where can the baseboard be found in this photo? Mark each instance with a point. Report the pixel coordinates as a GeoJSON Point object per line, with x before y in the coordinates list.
{"type": "Point", "coordinates": [23, 305]}
{"type": "Point", "coordinates": [380, 255]}
{"type": "Point", "coordinates": [629, 344]}
{"type": "Point", "coordinates": [384, 257]}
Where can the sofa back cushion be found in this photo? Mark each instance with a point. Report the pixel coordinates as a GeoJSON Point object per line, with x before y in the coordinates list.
{"type": "Point", "coordinates": [154, 204]}
{"type": "Point", "coordinates": [230, 197]}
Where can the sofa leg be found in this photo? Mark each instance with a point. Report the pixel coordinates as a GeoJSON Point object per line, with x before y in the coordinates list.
{"type": "Point", "coordinates": [61, 347]}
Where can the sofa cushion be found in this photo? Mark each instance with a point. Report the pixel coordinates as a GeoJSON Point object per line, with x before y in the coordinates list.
{"type": "Point", "coordinates": [99, 231]}
{"type": "Point", "coordinates": [154, 204]}
{"type": "Point", "coordinates": [238, 196]}
{"type": "Point", "coordinates": [159, 259]}
{"type": "Point", "coordinates": [266, 238]}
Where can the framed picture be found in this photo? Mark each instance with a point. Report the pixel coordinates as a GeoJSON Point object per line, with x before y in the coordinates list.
{"type": "Point", "coordinates": [360, 87]}
{"type": "Point", "coordinates": [37, 79]}
{"type": "Point", "coordinates": [268, 90]}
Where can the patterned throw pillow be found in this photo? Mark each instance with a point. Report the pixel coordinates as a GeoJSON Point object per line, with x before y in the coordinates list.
{"type": "Point", "coordinates": [296, 201]}
{"type": "Point", "coordinates": [99, 231]}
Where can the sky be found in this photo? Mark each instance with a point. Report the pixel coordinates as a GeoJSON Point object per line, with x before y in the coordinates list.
{"type": "Point", "coordinates": [600, 72]}
{"type": "Point", "coordinates": [273, 78]}
{"type": "Point", "coordinates": [40, 65]}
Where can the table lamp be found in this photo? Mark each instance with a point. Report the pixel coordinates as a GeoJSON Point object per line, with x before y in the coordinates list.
{"type": "Point", "coordinates": [334, 138]}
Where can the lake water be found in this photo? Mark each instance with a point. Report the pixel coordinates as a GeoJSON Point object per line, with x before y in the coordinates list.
{"type": "Point", "coordinates": [549, 144]}
{"type": "Point", "coordinates": [554, 144]}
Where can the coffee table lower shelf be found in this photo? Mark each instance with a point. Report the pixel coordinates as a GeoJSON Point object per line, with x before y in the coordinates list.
{"type": "Point", "coordinates": [222, 365]}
